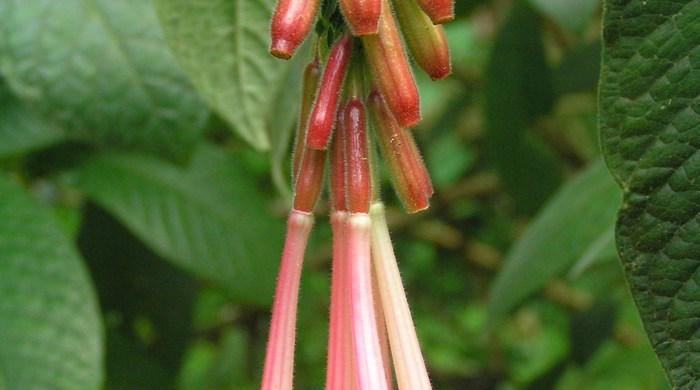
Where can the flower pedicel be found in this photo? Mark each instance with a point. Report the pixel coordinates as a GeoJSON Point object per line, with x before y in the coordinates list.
{"type": "Point", "coordinates": [363, 84]}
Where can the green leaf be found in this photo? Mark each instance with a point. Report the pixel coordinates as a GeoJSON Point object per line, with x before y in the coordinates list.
{"type": "Point", "coordinates": [579, 71]}
{"type": "Point", "coordinates": [650, 130]}
{"type": "Point", "coordinates": [568, 226]}
{"type": "Point", "coordinates": [518, 89]}
{"type": "Point", "coordinates": [50, 328]}
{"type": "Point", "coordinates": [451, 158]}
{"type": "Point", "coordinates": [623, 362]}
{"type": "Point", "coordinates": [208, 218]}
{"type": "Point", "coordinates": [101, 70]}
{"type": "Point", "coordinates": [572, 14]}
{"type": "Point", "coordinates": [535, 341]}
{"type": "Point", "coordinates": [223, 47]}
{"type": "Point", "coordinates": [602, 248]}
{"type": "Point", "coordinates": [21, 129]}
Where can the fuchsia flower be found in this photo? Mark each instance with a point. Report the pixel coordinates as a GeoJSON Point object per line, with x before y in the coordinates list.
{"type": "Point", "coordinates": [370, 322]}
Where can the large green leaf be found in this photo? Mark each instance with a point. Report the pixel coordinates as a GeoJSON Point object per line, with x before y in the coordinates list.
{"type": "Point", "coordinates": [21, 129]}
{"type": "Point", "coordinates": [208, 217]}
{"type": "Point", "coordinates": [50, 329]}
{"type": "Point", "coordinates": [569, 226]}
{"type": "Point", "coordinates": [518, 89]}
{"type": "Point", "coordinates": [650, 128]}
{"type": "Point", "coordinates": [102, 71]}
{"type": "Point", "coordinates": [619, 363]}
{"type": "Point", "coordinates": [223, 47]}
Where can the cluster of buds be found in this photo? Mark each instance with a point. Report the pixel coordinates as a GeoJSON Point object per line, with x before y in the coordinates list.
{"type": "Point", "coordinates": [362, 90]}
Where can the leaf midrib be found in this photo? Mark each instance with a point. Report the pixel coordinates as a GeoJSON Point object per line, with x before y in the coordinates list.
{"type": "Point", "coordinates": [121, 50]}
{"type": "Point", "coordinates": [166, 180]}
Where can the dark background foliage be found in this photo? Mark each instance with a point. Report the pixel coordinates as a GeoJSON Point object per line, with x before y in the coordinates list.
{"type": "Point", "coordinates": [144, 186]}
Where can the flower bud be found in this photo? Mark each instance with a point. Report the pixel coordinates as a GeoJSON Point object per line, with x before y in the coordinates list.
{"type": "Point", "coordinates": [291, 23]}
{"type": "Point", "coordinates": [421, 170]}
{"type": "Point", "coordinates": [323, 113]}
{"type": "Point", "coordinates": [356, 155]}
{"type": "Point", "coordinates": [338, 177]}
{"type": "Point", "coordinates": [309, 180]}
{"type": "Point", "coordinates": [408, 174]}
{"type": "Point", "coordinates": [439, 11]}
{"type": "Point", "coordinates": [425, 41]}
{"type": "Point", "coordinates": [308, 90]}
{"type": "Point", "coordinates": [361, 15]}
{"type": "Point", "coordinates": [391, 71]}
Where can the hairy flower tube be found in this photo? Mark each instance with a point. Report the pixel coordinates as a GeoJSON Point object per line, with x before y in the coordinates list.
{"type": "Point", "coordinates": [291, 23]}
{"type": "Point", "coordinates": [362, 16]}
{"type": "Point", "coordinates": [358, 87]}
{"type": "Point", "coordinates": [439, 11]}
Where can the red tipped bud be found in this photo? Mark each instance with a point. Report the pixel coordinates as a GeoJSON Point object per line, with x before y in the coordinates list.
{"type": "Point", "coordinates": [338, 177]}
{"type": "Point", "coordinates": [361, 15]}
{"type": "Point", "coordinates": [357, 166]}
{"type": "Point", "coordinates": [308, 184]}
{"type": "Point", "coordinates": [291, 23]}
{"type": "Point", "coordinates": [408, 174]}
{"type": "Point", "coordinates": [439, 11]}
{"type": "Point", "coordinates": [308, 90]}
{"type": "Point", "coordinates": [426, 42]}
{"type": "Point", "coordinates": [323, 113]}
{"type": "Point", "coordinates": [391, 71]}
{"type": "Point", "coordinates": [421, 170]}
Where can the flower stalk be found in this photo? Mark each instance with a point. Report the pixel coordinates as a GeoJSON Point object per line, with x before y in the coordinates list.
{"type": "Point", "coordinates": [340, 373]}
{"type": "Point", "coordinates": [278, 371]}
{"type": "Point", "coordinates": [341, 365]}
{"type": "Point", "coordinates": [405, 350]}
{"type": "Point", "coordinates": [369, 368]}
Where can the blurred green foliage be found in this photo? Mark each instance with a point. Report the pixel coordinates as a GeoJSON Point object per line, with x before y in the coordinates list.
{"type": "Point", "coordinates": [140, 159]}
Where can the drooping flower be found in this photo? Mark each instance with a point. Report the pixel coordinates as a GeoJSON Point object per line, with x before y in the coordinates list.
{"type": "Point", "coordinates": [370, 322]}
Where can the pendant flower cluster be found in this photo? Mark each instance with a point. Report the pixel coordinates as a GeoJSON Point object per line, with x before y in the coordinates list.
{"type": "Point", "coordinates": [362, 90]}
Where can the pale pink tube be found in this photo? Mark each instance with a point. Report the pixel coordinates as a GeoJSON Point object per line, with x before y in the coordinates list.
{"type": "Point", "coordinates": [369, 369]}
{"type": "Point", "coordinates": [405, 350]}
{"type": "Point", "coordinates": [381, 331]}
{"type": "Point", "coordinates": [340, 370]}
{"type": "Point", "coordinates": [278, 373]}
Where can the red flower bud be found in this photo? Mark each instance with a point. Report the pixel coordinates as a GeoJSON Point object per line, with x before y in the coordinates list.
{"type": "Point", "coordinates": [361, 15]}
{"type": "Point", "coordinates": [309, 180]}
{"type": "Point", "coordinates": [356, 155]}
{"type": "Point", "coordinates": [323, 113]}
{"type": "Point", "coordinates": [338, 177]}
{"type": "Point", "coordinates": [426, 42]}
{"type": "Point", "coordinates": [421, 170]}
{"type": "Point", "coordinates": [408, 174]}
{"type": "Point", "coordinates": [439, 11]}
{"type": "Point", "coordinates": [308, 90]}
{"type": "Point", "coordinates": [391, 71]}
{"type": "Point", "coordinates": [291, 23]}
